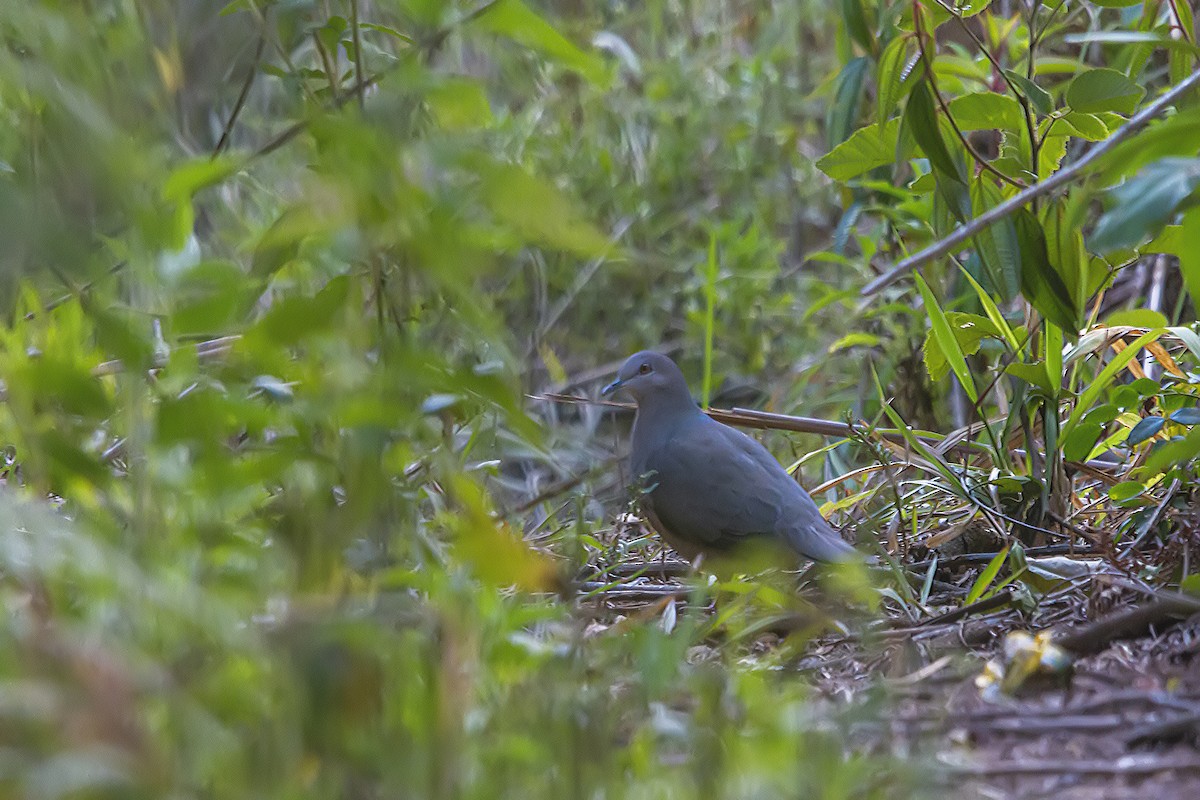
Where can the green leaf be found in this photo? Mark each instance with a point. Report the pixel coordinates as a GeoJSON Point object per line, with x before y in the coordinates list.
{"type": "Point", "coordinates": [986, 577]}
{"type": "Point", "coordinates": [1038, 97]}
{"type": "Point", "coordinates": [921, 120]}
{"type": "Point", "coordinates": [1137, 318]}
{"type": "Point", "coordinates": [987, 111]}
{"type": "Point", "coordinates": [1126, 490]}
{"type": "Point", "coordinates": [1078, 445]}
{"type": "Point", "coordinates": [1175, 452]}
{"type": "Point", "coordinates": [1033, 373]}
{"type": "Point", "coordinates": [1143, 204]}
{"type": "Point", "coordinates": [539, 211]}
{"type": "Point", "coordinates": [843, 112]}
{"type": "Point", "coordinates": [1106, 376]}
{"type": "Point", "coordinates": [993, 312]}
{"type": "Point", "coordinates": [199, 173]}
{"type": "Point", "coordinates": [857, 27]}
{"type": "Point", "coordinates": [515, 20]}
{"type": "Point", "coordinates": [889, 78]}
{"type": "Point", "coordinates": [459, 104]}
{"type": "Point", "coordinates": [295, 317]}
{"type": "Point", "coordinates": [941, 332]}
{"type": "Point", "coordinates": [867, 148]}
{"type": "Point", "coordinates": [1077, 124]}
{"type": "Point", "coordinates": [1040, 283]}
{"type": "Point", "coordinates": [1103, 89]}
{"type": "Point", "coordinates": [1189, 253]}
{"type": "Point", "coordinates": [969, 331]}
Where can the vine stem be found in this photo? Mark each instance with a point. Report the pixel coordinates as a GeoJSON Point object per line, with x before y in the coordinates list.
{"type": "Point", "coordinates": [946, 244]}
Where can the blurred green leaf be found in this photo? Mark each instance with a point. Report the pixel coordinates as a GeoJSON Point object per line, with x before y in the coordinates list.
{"type": "Point", "coordinates": [515, 20]}
{"type": "Point", "coordinates": [539, 211]}
{"type": "Point", "coordinates": [1142, 205]}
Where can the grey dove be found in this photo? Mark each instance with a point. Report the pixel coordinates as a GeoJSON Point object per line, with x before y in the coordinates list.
{"type": "Point", "coordinates": [711, 488]}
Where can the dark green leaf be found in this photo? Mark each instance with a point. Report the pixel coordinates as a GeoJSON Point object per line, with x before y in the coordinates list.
{"type": "Point", "coordinates": [1186, 416]}
{"type": "Point", "coordinates": [843, 113]}
{"type": "Point", "coordinates": [1038, 97]}
{"type": "Point", "coordinates": [1079, 442]}
{"type": "Point", "coordinates": [921, 120]}
{"type": "Point", "coordinates": [1142, 205]}
{"type": "Point", "coordinates": [1146, 429]}
{"type": "Point", "coordinates": [1040, 284]}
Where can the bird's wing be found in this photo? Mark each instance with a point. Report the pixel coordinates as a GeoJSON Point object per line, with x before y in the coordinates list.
{"type": "Point", "coordinates": [717, 486]}
{"type": "Point", "coordinates": [710, 489]}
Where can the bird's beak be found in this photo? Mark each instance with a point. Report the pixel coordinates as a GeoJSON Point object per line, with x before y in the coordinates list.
{"type": "Point", "coordinates": [612, 387]}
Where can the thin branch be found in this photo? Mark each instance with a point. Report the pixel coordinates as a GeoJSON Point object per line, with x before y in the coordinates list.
{"type": "Point", "coordinates": [358, 51]}
{"type": "Point", "coordinates": [1017, 201]}
{"type": "Point", "coordinates": [364, 83]}
{"type": "Point", "coordinates": [941, 101]}
{"type": "Point", "coordinates": [223, 142]}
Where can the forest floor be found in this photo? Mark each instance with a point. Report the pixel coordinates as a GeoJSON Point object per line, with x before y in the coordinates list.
{"type": "Point", "coordinates": [1104, 704]}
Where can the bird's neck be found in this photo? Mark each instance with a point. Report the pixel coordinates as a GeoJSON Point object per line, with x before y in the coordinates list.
{"type": "Point", "coordinates": [664, 417]}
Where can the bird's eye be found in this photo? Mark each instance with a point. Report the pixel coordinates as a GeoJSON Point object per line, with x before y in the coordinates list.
{"type": "Point", "coordinates": [643, 369]}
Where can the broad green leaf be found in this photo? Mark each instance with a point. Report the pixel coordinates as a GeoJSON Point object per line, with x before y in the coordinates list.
{"type": "Point", "coordinates": [1137, 318]}
{"type": "Point", "coordinates": [1126, 490]}
{"type": "Point", "coordinates": [1103, 89]}
{"type": "Point", "coordinates": [969, 331]}
{"type": "Point", "coordinates": [867, 148]}
{"type": "Point", "coordinates": [996, 244]}
{"type": "Point", "coordinates": [1179, 451]}
{"type": "Point", "coordinates": [1079, 444]}
{"type": "Point", "coordinates": [199, 173]}
{"type": "Point", "coordinates": [1189, 253]}
{"type": "Point", "coordinates": [515, 20]}
{"type": "Point", "coordinates": [1033, 373]}
{"type": "Point", "coordinates": [859, 29]}
{"type": "Point", "coordinates": [993, 313]}
{"type": "Point", "coordinates": [539, 211]}
{"type": "Point", "coordinates": [295, 317]}
{"type": "Point", "coordinates": [987, 111]}
{"type": "Point", "coordinates": [1040, 283]}
{"type": "Point", "coordinates": [459, 104]}
{"type": "Point", "coordinates": [1077, 124]}
{"type": "Point", "coordinates": [1142, 205]}
{"type": "Point", "coordinates": [940, 330]}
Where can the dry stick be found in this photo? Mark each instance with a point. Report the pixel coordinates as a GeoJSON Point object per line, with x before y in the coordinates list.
{"type": "Point", "coordinates": [1017, 201]}
{"type": "Point", "coordinates": [767, 420]}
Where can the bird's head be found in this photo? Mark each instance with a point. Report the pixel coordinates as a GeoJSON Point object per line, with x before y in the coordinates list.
{"type": "Point", "coordinates": [650, 376]}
